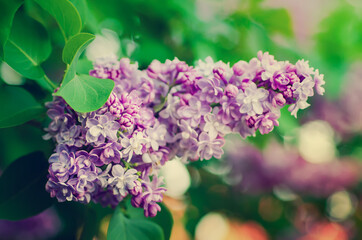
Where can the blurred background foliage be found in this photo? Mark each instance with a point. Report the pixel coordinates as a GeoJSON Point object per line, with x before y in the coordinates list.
{"type": "Point", "coordinates": [300, 182]}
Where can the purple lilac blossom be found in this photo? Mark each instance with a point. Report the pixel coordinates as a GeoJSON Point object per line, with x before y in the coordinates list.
{"type": "Point", "coordinates": [255, 171]}
{"type": "Point", "coordinates": [169, 109]}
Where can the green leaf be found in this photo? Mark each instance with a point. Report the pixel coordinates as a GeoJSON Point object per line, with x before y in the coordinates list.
{"type": "Point", "coordinates": [163, 218]}
{"type": "Point", "coordinates": [121, 227]}
{"type": "Point", "coordinates": [71, 53]}
{"type": "Point", "coordinates": [66, 15]}
{"type": "Point", "coordinates": [85, 93]}
{"type": "Point", "coordinates": [82, 92]}
{"type": "Point", "coordinates": [76, 45]}
{"type": "Point", "coordinates": [22, 188]}
{"type": "Point", "coordinates": [17, 106]}
{"type": "Point", "coordinates": [27, 47]}
{"type": "Point", "coordinates": [7, 12]}
{"type": "Point", "coordinates": [81, 6]}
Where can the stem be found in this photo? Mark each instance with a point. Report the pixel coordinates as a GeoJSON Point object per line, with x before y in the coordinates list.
{"type": "Point", "coordinates": [51, 84]}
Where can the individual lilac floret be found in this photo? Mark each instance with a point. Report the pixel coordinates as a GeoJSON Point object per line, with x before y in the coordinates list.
{"type": "Point", "coordinates": [100, 128]}
{"type": "Point", "coordinates": [151, 194]}
{"type": "Point", "coordinates": [62, 165]}
{"type": "Point", "coordinates": [208, 147]}
{"type": "Point", "coordinates": [107, 153]}
{"type": "Point", "coordinates": [63, 192]}
{"type": "Point", "coordinates": [84, 185]}
{"type": "Point", "coordinates": [71, 136]}
{"type": "Point", "coordinates": [122, 180]}
{"type": "Point", "coordinates": [85, 160]}
{"type": "Point", "coordinates": [251, 100]}
{"type": "Point", "coordinates": [133, 145]}
{"type": "Point", "coordinates": [193, 111]}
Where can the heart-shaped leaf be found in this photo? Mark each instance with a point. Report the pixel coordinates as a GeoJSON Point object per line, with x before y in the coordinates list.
{"type": "Point", "coordinates": [75, 46]}
{"type": "Point", "coordinates": [66, 15]}
{"type": "Point", "coordinates": [22, 187]}
{"type": "Point", "coordinates": [7, 12]}
{"type": "Point", "coordinates": [17, 106]}
{"type": "Point", "coordinates": [85, 93]}
{"type": "Point", "coordinates": [82, 92]}
{"type": "Point", "coordinates": [72, 51]}
{"type": "Point", "coordinates": [121, 227]}
{"type": "Point", "coordinates": [27, 47]}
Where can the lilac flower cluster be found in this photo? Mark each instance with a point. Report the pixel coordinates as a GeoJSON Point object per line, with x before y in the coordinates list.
{"type": "Point", "coordinates": [170, 109]}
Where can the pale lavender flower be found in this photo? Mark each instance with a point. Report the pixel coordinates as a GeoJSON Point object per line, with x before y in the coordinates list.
{"type": "Point", "coordinates": [62, 165]}
{"type": "Point", "coordinates": [100, 128]}
{"type": "Point", "coordinates": [188, 138]}
{"type": "Point", "coordinates": [193, 111]}
{"type": "Point", "coordinates": [71, 136]}
{"type": "Point", "coordinates": [250, 100]}
{"type": "Point", "coordinates": [210, 90]}
{"type": "Point", "coordinates": [265, 123]}
{"type": "Point", "coordinates": [214, 127]}
{"type": "Point", "coordinates": [303, 90]}
{"type": "Point", "coordinates": [303, 68]}
{"type": "Point", "coordinates": [209, 147]}
{"type": "Point", "coordinates": [156, 136]}
{"type": "Point", "coordinates": [246, 70]}
{"type": "Point", "coordinates": [171, 108]}
{"type": "Point", "coordinates": [122, 180]}
{"type": "Point", "coordinates": [319, 82]}
{"type": "Point", "coordinates": [107, 153]}
{"type": "Point", "coordinates": [152, 193]}
{"type": "Point", "coordinates": [62, 191]}
{"type": "Point", "coordinates": [293, 109]}
{"type": "Point", "coordinates": [85, 160]}
{"type": "Point", "coordinates": [133, 145]}
{"type": "Point", "coordinates": [84, 182]}
{"type": "Point", "coordinates": [205, 68]}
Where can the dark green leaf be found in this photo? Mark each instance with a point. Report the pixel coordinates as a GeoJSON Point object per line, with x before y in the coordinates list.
{"type": "Point", "coordinates": [27, 47]}
{"type": "Point", "coordinates": [17, 106]}
{"type": "Point", "coordinates": [121, 227]}
{"type": "Point", "coordinates": [7, 12]}
{"type": "Point", "coordinates": [66, 15]}
{"type": "Point", "coordinates": [86, 93]}
{"type": "Point", "coordinates": [22, 188]}
{"type": "Point", "coordinates": [76, 45]}
{"type": "Point", "coordinates": [163, 218]}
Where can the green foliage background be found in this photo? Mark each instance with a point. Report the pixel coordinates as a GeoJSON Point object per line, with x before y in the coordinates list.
{"type": "Point", "coordinates": [43, 40]}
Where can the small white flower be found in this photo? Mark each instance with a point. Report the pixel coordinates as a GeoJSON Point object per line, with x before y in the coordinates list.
{"type": "Point", "coordinates": [251, 100]}
{"type": "Point", "coordinates": [213, 127]}
{"type": "Point", "coordinates": [133, 145]}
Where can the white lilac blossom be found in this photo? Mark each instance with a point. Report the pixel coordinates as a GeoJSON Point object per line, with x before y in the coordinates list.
{"type": "Point", "coordinates": [168, 110]}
